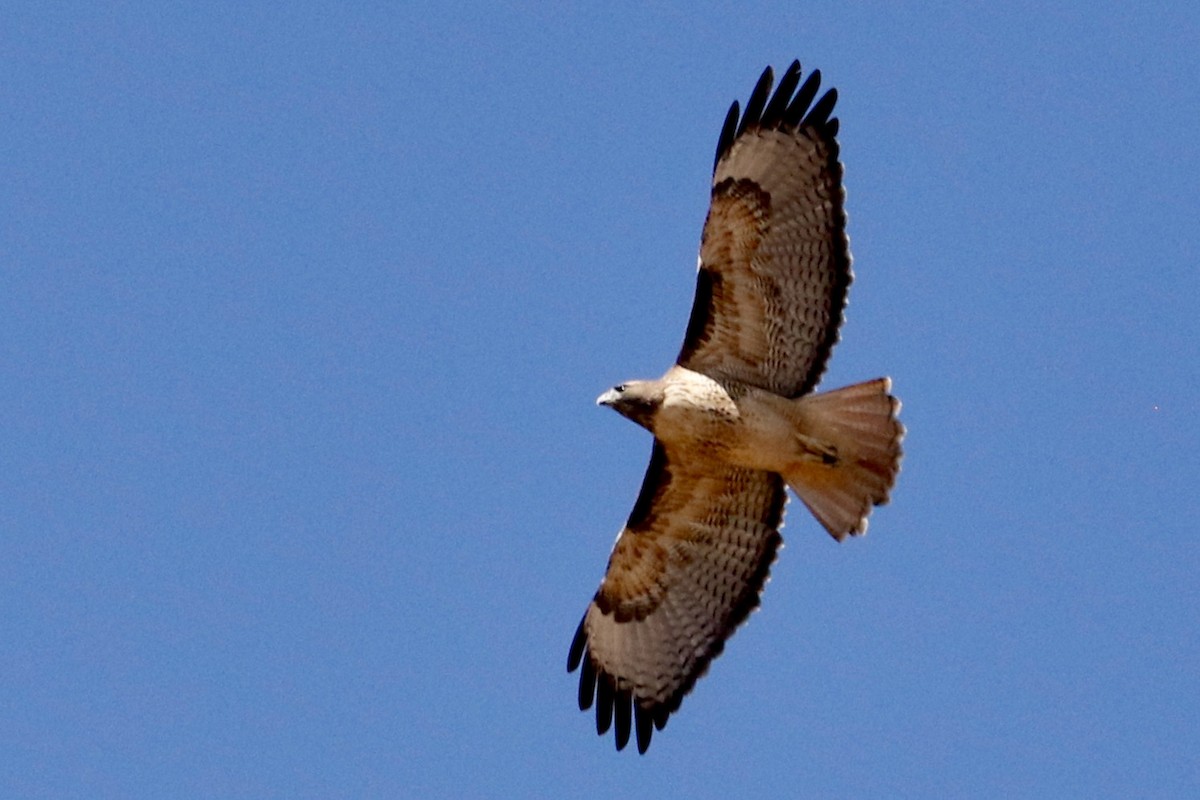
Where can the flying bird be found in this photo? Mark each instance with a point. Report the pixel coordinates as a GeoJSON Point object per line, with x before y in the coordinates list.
{"type": "Point", "coordinates": [736, 419]}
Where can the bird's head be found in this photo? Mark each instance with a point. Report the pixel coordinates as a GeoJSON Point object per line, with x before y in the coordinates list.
{"type": "Point", "coordinates": [636, 400]}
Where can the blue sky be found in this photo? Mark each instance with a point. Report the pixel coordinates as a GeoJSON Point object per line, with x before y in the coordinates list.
{"type": "Point", "coordinates": [302, 317]}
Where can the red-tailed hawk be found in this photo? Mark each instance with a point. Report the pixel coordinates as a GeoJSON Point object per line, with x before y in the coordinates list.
{"type": "Point", "coordinates": [735, 420]}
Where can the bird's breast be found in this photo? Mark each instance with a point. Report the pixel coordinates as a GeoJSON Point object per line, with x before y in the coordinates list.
{"type": "Point", "coordinates": [697, 412]}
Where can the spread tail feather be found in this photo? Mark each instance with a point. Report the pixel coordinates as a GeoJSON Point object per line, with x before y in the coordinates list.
{"type": "Point", "coordinates": [852, 443]}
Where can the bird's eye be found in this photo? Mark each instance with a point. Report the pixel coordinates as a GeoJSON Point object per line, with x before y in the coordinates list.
{"type": "Point", "coordinates": [620, 388]}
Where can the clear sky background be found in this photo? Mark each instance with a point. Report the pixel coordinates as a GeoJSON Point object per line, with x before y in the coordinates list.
{"type": "Point", "coordinates": [302, 318]}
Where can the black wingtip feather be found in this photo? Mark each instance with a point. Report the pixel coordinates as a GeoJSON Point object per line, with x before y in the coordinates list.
{"type": "Point", "coordinates": [643, 722]}
{"type": "Point", "coordinates": [819, 116]}
{"type": "Point", "coordinates": [758, 99]}
{"type": "Point", "coordinates": [587, 685]}
{"type": "Point", "coordinates": [728, 133]}
{"type": "Point", "coordinates": [775, 109]}
{"type": "Point", "coordinates": [578, 645]}
{"type": "Point", "coordinates": [604, 705]}
{"type": "Point", "coordinates": [623, 706]}
{"type": "Point", "coordinates": [804, 97]}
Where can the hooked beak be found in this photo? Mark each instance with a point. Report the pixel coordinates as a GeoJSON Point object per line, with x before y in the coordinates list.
{"type": "Point", "coordinates": [609, 398]}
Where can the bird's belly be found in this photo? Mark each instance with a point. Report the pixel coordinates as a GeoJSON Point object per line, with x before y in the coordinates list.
{"type": "Point", "coordinates": [742, 434]}
{"type": "Point", "coordinates": [684, 429]}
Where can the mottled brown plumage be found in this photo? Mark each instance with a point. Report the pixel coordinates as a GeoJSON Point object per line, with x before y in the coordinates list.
{"type": "Point", "coordinates": [735, 420]}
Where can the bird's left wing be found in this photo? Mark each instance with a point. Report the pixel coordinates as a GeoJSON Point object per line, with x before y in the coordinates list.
{"type": "Point", "coordinates": [684, 573]}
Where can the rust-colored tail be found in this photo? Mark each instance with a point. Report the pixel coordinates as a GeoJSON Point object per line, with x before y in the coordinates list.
{"type": "Point", "coordinates": [855, 441]}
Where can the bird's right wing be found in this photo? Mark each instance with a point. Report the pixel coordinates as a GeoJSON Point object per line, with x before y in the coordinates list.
{"type": "Point", "coordinates": [774, 257]}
